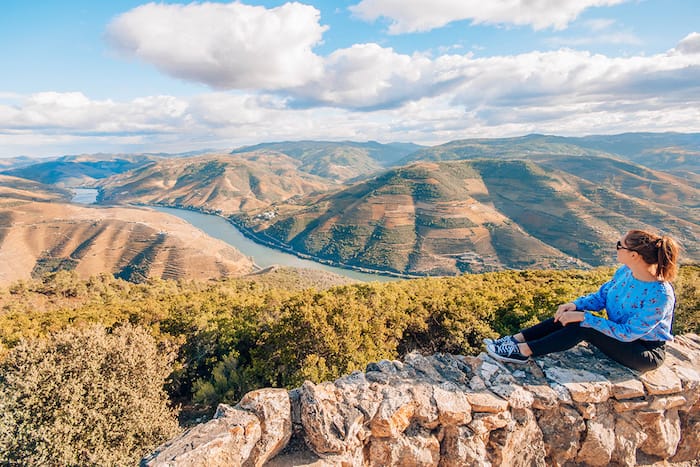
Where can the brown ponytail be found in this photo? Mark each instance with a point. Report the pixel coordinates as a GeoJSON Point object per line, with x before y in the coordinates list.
{"type": "Point", "coordinates": [662, 251]}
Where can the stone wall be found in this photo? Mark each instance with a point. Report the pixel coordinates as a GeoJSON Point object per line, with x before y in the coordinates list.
{"type": "Point", "coordinates": [572, 408]}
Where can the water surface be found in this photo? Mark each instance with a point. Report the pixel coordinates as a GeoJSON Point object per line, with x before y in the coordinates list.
{"type": "Point", "coordinates": [263, 256]}
{"type": "Point", "coordinates": [84, 195]}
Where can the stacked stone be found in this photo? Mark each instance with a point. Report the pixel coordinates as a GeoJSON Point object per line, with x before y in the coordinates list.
{"type": "Point", "coordinates": [577, 407]}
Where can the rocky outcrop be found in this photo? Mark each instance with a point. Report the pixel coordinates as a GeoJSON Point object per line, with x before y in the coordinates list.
{"type": "Point", "coordinates": [573, 408]}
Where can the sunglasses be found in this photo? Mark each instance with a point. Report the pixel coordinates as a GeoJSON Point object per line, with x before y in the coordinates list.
{"type": "Point", "coordinates": [620, 246]}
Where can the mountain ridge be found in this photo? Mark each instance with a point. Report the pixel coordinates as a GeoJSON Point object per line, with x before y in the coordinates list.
{"type": "Point", "coordinates": [471, 216]}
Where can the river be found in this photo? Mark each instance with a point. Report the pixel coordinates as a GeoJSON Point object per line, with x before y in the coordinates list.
{"type": "Point", "coordinates": [84, 195]}
{"type": "Point", "coordinates": [263, 256]}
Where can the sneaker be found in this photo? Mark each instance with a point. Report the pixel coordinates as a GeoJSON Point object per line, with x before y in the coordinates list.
{"type": "Point", "coordinates": [498, 341]}
{"type": "Point", "coordinates": [508, 351]}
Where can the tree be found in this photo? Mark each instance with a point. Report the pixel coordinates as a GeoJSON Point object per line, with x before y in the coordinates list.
{"type": "Point", "coordinates": [84, 397]}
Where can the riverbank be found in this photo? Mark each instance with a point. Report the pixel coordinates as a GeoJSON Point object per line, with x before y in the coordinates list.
{"type": "Point", "coordinates": [277, 246]}
{"type": "Point", "coordinates": [274, 243]}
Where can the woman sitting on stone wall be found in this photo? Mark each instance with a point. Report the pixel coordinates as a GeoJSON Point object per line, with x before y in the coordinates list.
{"type": "Point", "coordinates": [639, 301]}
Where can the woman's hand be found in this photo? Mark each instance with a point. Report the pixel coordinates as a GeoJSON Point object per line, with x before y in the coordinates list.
{"type": "Point", "coordinates": [563, 309]}
{"type": "Point", "coordinates": [569, 317]}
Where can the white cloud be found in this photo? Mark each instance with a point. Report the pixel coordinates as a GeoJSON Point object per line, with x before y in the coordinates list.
{"type": "Point", "coordinates": [368, 76]}
{"type": "Point", "coordinates": [690, 44]}
{"type": "Point", "coordinates": [75, 112]}
{"type": "Point", "coordinates": [225, 46]}
{"type": "Point", "coordinates": [419, 15]}
{"type": "Point", "coordinates": [371, 92]}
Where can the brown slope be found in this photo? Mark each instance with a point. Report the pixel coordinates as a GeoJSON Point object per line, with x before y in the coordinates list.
{"type": "Point", "coordinates": [672, 193]}
{"type": "Point", "coordinates": [225, 183]}
{"type": "Point", "coordinates": [421, 219]}
{"type": "Point", "coordinates": [132, 243]}
{"type": "Point", "coordinates": [442, 218]}
{"type": "Point", "coordinates": [13, 189]}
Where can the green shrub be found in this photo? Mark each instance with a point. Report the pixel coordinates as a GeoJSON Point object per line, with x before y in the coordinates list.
{"type": "Point", "coordinates": [687, 285]}
{"type": "Point", "coordinates": [84, 397]}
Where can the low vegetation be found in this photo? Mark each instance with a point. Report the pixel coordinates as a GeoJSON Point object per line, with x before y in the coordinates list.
{"type": "Point", "coordinates": [231, 336]}
{"type": "Point", "coordinates": [84, 396]}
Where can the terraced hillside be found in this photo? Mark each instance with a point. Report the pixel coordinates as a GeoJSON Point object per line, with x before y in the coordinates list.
{"type": "Point", "coordinates": [14, 189]}
{"type": "Point", "coordinates": [215, 182]}
{"type": "Point", "coordinates": [338, 161]}
{"type": "Point", "coordinates": [131, 243]}
{"type": "Point", "coordinates": [675, 153]}
{"type": "Point", "coordinates": [448, 217]}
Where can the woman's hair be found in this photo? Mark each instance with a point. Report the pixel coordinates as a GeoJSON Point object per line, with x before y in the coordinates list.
{"type": "Point", "coordinates": [654, 249]}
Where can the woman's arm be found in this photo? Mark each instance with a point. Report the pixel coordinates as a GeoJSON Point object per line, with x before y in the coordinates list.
{"type": "Point", "coordinates": [596, 301]}
{"type": "Point", "coordinates": [646, 316]}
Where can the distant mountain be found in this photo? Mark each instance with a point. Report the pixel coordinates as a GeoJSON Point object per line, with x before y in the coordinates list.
{"type": "Point", "coordinates": [338, 161]}
{"type": "Point", "coordinates": [214, 182]}
{"type": "Point", "coordinates": [131, 243]}
{"type": "Point", "coordinates": [676, 153]}
{"type": "Point", "coordinates": [15, 162]}
{"type": "Point", "coordinates": [450, 217]}
{"type": "Point", "coordinates": [13, 189]}
{"type": "Point", "coordinates": [662, 151]}
{"type": "Point", "coordinates": [85, 170]}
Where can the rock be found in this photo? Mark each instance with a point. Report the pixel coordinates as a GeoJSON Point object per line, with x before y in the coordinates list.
{"type": "Point", "coordinates": [573, 408]}
{"type": "Point", "coordinates": [518, 444]}
{"type": "Point", "coordinates": [661, 381]}
{"type": "Point", "coordinates": [394, 415]}
{"type": "Point", "coordinates": [330, 426]}
{"type": "Point", "coordinates": [452, 406]}
{"type": "Point", "coordinates": [274, 411]}
{"type": "Point", "coordinates": [689, 445]}
{"type": "Point", "coordinates": [486, 402]}
{"type": "Point", "coordinates": [631, 404]}
{"type": "Point", "coordinates": [583, 385]}
{"type": "Point", "coordinates": [416, 447]}
{"type": "Point", "coordinates": [598, 446]}
{"type": "Point", "coordinates": [627, 389]}
{"type": "Point", "coordinates": [628, 436]}
{"type": "Point", "coordinates": [561, 431]}
{"type": "Point", "coordinates": [461, 446]}
{"type": "Point", "coordinates": [226, 440]}
{"type": "Point", "coordinates": [663, 432]}
{"type": "Point", "coordinates": [483, 423]}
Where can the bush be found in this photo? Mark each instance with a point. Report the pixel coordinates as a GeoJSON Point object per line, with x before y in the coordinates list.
{"type": "Point", "coordinates": [84, 397]}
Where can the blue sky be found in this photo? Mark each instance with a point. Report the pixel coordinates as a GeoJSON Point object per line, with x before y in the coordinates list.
{"type": "Point", "coordinates": [129, 76]}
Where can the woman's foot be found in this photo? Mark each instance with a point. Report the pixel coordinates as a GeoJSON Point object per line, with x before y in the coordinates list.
{"type": "Point", "coordinates": [499, 341]}
{"type": "Point", "coordinates": [507, 351]}
{"type": "Point", "coordinates": [503, 339]}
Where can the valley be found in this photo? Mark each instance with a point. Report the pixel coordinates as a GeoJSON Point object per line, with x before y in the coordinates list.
{"type": "Point", "coordinates": [533, 202]}
{"type": "Point", "coordinates": [135, 244]}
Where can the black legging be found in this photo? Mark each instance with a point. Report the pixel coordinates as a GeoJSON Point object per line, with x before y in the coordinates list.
{"type": "Point", "coordinates": [548, 336]}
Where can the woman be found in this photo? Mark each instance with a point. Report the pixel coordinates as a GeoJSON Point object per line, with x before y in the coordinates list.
{"type": "Point", "coordinates": [639, 301]}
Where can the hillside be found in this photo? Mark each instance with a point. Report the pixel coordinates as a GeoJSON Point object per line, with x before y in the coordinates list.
{"type": "Point", "coordinates": [14, 189]}
{"type": "Point", "coordinates": [451, 217]}
{"type": "Point", "coordinates": [338, 161]}
{"type": "Point", "coordinates": [7, 163]}
{"type": "Point", "coordinates": [215, 182]}
{"type": "Point", "coordinates": [68, 171]}
{"type": "Point", "coordinates": [131, 243]}
{"type": "Point", "coordinates": [675, 153]}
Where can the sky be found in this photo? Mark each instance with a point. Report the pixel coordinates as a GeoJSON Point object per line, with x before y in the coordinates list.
{"type": "Point", "coordinates": [123, 76]}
